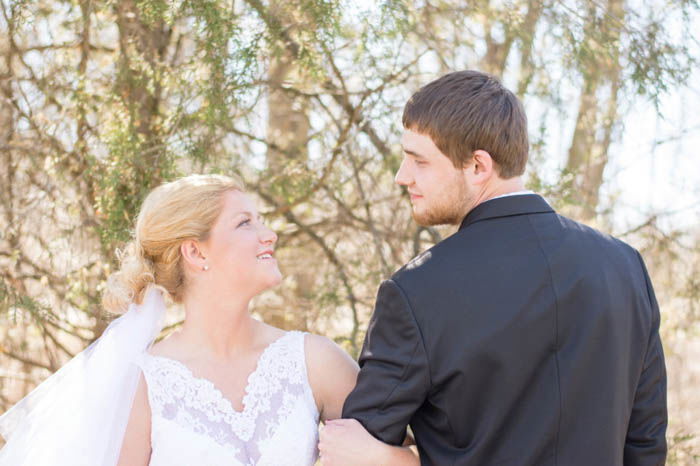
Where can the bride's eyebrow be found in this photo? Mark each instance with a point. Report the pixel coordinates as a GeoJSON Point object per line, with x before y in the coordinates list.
{"type": "Point", "coordinates": [247, 214]}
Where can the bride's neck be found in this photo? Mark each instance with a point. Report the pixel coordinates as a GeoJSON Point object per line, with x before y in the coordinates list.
{"type": "Point", "coordinates": [216, 327]}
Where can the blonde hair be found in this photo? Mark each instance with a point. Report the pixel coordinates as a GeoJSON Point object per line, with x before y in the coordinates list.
{"type": "Point", "coordinates": [172, 213]}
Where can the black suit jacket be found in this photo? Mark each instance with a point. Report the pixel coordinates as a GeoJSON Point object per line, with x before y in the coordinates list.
{"type": "Point", "coordinates": [523, 339]}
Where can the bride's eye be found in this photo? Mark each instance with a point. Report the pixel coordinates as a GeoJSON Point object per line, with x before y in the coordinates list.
{"type": "Point", "coordinates": [244, 222]}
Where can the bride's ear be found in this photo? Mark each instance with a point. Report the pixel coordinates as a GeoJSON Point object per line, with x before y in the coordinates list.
{"type": "Point", "coordinates": [192, 255]}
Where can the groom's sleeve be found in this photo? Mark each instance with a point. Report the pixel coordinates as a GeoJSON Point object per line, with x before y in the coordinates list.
{"type": "Point", "coordinates": [394, 377]}
{"type": "Point", "coordinates": [646, 435]}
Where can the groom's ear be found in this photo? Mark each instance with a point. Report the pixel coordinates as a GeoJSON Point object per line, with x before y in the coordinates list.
{"type": "Point", "coordinates": [192, 254]}
{"type": "Point", "coordinates": [480, 168]}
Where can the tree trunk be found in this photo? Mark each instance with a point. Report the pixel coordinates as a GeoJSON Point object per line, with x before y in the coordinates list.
{"type": "Point", "coordinates": [597, 113]}
{"type": "Point", "coordinates": [527, 40]}
{"type": "Point", "coordinates": [142, 47]}
{"type": "Point", "coordinates": [288, 128]}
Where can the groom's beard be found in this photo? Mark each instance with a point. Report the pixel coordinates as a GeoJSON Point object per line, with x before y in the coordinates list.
{"type": "Point", "coordinates": [448, 207]}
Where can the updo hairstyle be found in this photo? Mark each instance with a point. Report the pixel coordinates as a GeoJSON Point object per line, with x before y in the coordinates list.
{"type": "Point", "coordinates": [180, 210]}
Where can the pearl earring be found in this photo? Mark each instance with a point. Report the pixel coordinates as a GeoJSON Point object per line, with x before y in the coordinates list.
{"type": "Point", "coordinates": [205, 268]}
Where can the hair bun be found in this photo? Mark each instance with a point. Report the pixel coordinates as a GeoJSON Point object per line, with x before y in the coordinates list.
{"type": "Point", "coordinates": [129, 283]}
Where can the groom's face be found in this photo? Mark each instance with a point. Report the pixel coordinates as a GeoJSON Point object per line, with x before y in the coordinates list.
{"type": "Point", "coordinates": [439, 192]}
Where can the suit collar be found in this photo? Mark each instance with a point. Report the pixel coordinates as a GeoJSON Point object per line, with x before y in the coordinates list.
{"type": "Point", "coordinates": [506, 207]}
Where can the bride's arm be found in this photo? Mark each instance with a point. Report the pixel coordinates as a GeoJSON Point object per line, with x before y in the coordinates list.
{"type": "Point", "coordinates": [332, 375]}
{"type": "Point", "coordinates": [347, 442]}
{"type": "Point", "coordinates": [136, 447]}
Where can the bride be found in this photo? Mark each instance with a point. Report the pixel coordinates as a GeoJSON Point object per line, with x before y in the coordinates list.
{"type": "Point", "coordinates": [226, 389]}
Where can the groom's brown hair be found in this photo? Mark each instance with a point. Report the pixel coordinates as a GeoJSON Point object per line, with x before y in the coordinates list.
{"type": "Point", "coordinates": [466, 111]}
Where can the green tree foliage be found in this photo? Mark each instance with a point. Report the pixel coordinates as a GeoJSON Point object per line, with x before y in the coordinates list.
{"type": "Point", "coordinates": [102, 100]}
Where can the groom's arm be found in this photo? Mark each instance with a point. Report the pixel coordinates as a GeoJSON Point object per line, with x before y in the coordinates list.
{"type": "Point", "coordinates": [646, 434]}
{"type": "Point", "coordinates": [394, 377]}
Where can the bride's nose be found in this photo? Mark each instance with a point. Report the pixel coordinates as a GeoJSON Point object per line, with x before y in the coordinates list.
{"type": "Point", "coordinates": [267, 236]}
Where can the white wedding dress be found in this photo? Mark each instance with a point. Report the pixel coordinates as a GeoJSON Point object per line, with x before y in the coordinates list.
{"type": "Point", "coordinates": [78, 416]}
{"type": "Point", "coordinates": [194, 424]}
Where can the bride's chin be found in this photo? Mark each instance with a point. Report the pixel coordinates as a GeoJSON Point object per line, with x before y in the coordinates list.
{"type": "Point", "coordinates": [274, 280]}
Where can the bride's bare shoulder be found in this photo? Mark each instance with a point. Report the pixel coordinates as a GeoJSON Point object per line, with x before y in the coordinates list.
{"type": "Point", "coordinates": [332, 374]}
{"type": "Point", "coordinates": [323, 354]}
{"type": "Point", "coordinates": [268, 333]}
{"type": "Point", "coordinates": [318, 344]}
{"type": "Point", "coordinates": [167, 347]}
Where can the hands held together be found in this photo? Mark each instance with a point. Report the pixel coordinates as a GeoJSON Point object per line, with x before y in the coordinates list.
{"type": "Point", "coordinates": [346, 442]}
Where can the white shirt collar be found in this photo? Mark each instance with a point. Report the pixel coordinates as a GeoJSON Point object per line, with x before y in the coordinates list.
{"type": "Point", "coordinates": [516, 193]}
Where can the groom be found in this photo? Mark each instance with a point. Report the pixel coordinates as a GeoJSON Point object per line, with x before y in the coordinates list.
{"type": "Point", "coordinates": [523, 339]}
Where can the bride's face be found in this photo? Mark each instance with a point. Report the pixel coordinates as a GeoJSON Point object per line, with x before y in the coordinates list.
{"type": "Point", "coordinates": [240, 248]}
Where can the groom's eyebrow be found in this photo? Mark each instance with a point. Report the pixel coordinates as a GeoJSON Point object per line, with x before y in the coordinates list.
{"type": "Point", "coordinates": [415, 154]}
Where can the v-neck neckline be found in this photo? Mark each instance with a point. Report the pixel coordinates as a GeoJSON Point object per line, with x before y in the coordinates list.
{"type": "Point", "coordinates": [247, 391]}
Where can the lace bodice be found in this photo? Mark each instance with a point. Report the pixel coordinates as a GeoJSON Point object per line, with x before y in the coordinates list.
{"type": "Point", "coordinates": [194, 424]}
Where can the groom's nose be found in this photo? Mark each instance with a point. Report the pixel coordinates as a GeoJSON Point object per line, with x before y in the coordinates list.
{"type": "Point", "coordinates": [402, 177]}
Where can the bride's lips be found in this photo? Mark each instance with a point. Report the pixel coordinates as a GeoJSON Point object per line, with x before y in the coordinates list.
{"type": "Point", "coordinates": [266, 255]}
{"type": "Point", "coordinates": [415, 196]}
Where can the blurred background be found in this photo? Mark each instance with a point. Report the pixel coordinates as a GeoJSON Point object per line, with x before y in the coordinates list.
{"type": "Point", "coordinates": [101, 101]}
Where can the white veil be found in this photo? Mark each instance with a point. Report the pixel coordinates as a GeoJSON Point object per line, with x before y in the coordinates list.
{"type": "Point", "coordinates": [78, 415]}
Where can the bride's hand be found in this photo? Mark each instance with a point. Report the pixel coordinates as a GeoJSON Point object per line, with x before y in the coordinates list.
{"type": "Point", "coordinates": [347, 442]}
